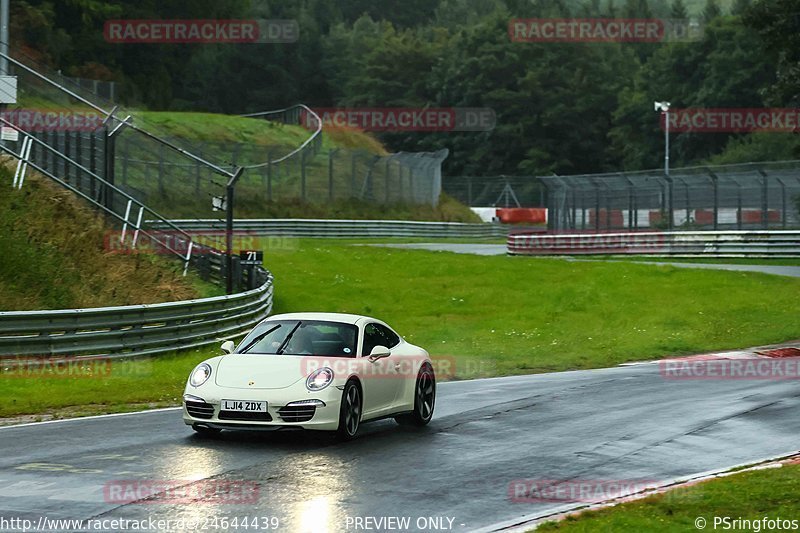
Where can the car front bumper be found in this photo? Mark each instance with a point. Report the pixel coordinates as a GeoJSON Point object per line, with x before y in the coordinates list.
{"type": "Point", "coordinates": [202, 406]}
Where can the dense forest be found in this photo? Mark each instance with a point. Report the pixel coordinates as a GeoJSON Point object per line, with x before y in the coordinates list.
{"type": "Point", "coordinates": [566, 107]}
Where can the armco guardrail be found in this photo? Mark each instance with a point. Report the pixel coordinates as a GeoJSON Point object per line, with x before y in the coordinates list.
{"type": "Point", "coordinates": [679, 243]}
{"type": "Point", "coordinates": [348, 228]}
{"type": "Point", "coordinates": [134, 329]}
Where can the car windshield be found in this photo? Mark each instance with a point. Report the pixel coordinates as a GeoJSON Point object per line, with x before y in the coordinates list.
{"type": "Point", "coordinates": [301, 337]}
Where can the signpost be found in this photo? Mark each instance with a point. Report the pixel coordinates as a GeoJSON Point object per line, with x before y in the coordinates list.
{"type": "Point", "coordinates": [251, 257]}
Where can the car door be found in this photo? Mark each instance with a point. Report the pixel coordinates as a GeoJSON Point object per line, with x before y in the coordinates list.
{"type": "Point", "coordinates": [403, 363]}
{"type": "Point", "coordinates": [380, 379]}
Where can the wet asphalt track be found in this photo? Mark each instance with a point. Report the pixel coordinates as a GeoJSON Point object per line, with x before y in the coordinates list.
{"type": "Point", "coordinates": [621, 423]}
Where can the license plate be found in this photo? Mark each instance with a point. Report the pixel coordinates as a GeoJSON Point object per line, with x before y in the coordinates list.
{"type": "Point", "coordinates": [244, 406]}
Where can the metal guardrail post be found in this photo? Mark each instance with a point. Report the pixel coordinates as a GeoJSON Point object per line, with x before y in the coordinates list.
{"type": "Point", "coordinates": [738, 205]}
{"type": "Point", "coordinates": [67, 149]}
{"type": "Point", "coordinates": [303, 176]}
{"type": "Point", "coordinates": [269, 177]}
{"type": "Point", "coordinates": [670, 202]}
{"type": "Point", "coordinates": [764, 200]}
{"type": "Point", "coordinates": [784, 205]}
{"type": "Point", "coordinates": [353, 175]}
{"type": "Point", "coordinates": [387, 179]}
{"type": "Point", "coordinates": [596, 205]}
{"type": "Point", "coordinates": [551, 226]}
{"type": "Point", "coordinates": [79, 155]}
{"type": "Point", "coordinates": [715, 185]}
{"type": "Point", "coordinates": [229, 195]}
{"type": "Point", "coordinates": [331, 155]}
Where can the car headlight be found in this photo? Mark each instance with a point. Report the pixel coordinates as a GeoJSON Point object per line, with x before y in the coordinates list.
{"type": "Point", "coordinates": [200, 375]}
{"type": "Point", "coordinates": [319, 379]}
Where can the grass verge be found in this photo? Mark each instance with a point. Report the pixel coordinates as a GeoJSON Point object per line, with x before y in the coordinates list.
{"type": "Point", "coordinates": [751, 496]}
{"type": "Point", "coordinates": [518, 315]}
{"type": "Point", "coordinates": [492, 315]}
{"type": "Point", "coordinates": [97, 387]}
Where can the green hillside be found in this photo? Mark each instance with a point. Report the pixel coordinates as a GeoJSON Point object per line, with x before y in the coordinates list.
{"type": "Point", "coordinates": [177, 187]}
{"type": "Point", "coordinates": [53, 255]}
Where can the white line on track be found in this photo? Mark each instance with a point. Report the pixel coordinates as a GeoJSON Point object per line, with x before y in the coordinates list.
{"type": "Point", "coordinates": [161, 410]}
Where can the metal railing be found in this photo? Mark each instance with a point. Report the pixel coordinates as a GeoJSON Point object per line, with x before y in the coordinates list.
{"type": "Point", "coordinates": [295, 115]}
{"type": "Point", "coordinates": [124, 331]}
{"type": "Point", "coordinates": [291, 227]}
{"type": "Point", "coordinates": [752, 243]}
{"type": "Point", "coordinates": [133, 330]}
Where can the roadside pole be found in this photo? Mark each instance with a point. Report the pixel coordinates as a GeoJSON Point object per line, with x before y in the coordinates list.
{"type": "Point", "coordinates": [229, 195]}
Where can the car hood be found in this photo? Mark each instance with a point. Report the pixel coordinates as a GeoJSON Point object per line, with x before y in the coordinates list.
{"type": "Point", "coordinates": [245, 371]}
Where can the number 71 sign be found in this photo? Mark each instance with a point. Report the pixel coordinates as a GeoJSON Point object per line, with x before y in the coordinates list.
{"type": "Point", "coordinates": [251, 257]}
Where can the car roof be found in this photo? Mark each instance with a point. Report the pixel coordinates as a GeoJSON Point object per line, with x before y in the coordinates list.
{"type": "Point", "coordinates": [331, 317]}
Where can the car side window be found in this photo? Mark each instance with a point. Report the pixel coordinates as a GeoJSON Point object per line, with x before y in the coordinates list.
{"type": "Point", "coordinates": [391, 338]}
{"type": "Point", "coordinates": [372, 338]}
{"type": "Point", "coordinates": [378, 335]}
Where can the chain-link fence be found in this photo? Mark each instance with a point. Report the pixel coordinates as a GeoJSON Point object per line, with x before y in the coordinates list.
{"type": "Point", "coordinates": [184, 189]}
{"type": "Point", "coordinates": [108, 90]}
{"type": "Point", "coordinates": [744, 196]}
{"type": "Point", "coordinates": [496, 191]}
{"type": "Point", "coordinates": [340, 174]}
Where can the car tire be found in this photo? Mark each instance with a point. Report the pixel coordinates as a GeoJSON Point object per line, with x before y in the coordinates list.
{"type": "Point", "coordinates": [205, 430]}
{"type": "Point", "coordinates": [350, 412]}
{"type": "Point", "coordinates": [424, 399]}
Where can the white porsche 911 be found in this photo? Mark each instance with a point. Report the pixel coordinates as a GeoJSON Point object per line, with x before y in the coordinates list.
{"type": "Point", "coordinates": [318, 371]}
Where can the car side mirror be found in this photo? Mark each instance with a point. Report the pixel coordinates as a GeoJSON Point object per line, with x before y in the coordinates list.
{"type": "Point", "coordinates": [228, 346]}
{"type": "Point", "coordinates": [379, 352]}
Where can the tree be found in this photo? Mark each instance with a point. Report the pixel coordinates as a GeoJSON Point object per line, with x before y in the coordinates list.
{"type": "Point", "coordinates": [740, 7]}
{"type": "Point", "coordinates": [777, 23]}
{"type": "Point", "coordinates": [678, 10]}
{"type": "Point", "coordinates": [711, 11]}
{"type": "Point", "coordinates": [637, 9]}
{"type": "Point", "coordinates": [725, 69]}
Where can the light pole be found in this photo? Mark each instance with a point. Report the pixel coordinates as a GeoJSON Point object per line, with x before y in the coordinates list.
{"type": "Point", "coordinates": [663, 107]}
